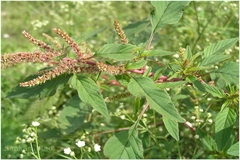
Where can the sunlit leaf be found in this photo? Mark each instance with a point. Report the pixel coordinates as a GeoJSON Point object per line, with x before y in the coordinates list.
{"type": "Point", "coordinates": [206, 140]}
{"type": "Point", "coordinates": [197, 84]}
{"type": "Point", "coordinates": [219, 47]}
{"type": "Point", "coordinates": [136, 65]}
{"type": "Point", "coordinates": [124, 145]}
{"type": "Point", "coordinates": [172, 127]}
{"type": "Point", "coordinates": [89, 92]}
{"type": "Point", "coordinates": [234, 150]}
{"type": "Point", "coordinates": [166, 12]}
{"type": "Point", "coordinates": [118, 52]}
{"type": "Point", "coordinates": [223, 127]}
{"type": "Point", "coordinates": [229, 72]}
{"type": "Point", "coordinates": [157, 98]}
{"type": "Point", "coordinates": [170, 84]}
{"type": "Point", "coordinates": [215, 91]}
{"type": "Point", "coordinates": [73, 114]}
{"type": "Point", "coordinates": [212, 59]}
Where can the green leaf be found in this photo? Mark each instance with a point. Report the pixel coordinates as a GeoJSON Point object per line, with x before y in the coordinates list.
{"type": "Point", "coordinates": [158, 73]}
{"type": "Point", "coordinates": [39, 91]}
{"type": "Point", "coordinates": [135, 28]}
{"type": "Point", "coordinates": [136, 65]}
{"type": "Point", "coordinates": [223, 127]}
{"type": "Point", "coordinates": [118, 52]}
{"type": "Point", "coordinates": [197, 84]}
{"type": "Point", "coordinates": [147, 72]}
{"type": "Point", "coordinates": [159, 53]}
{"type": "Point", "coordinates": [188, 53]}
{"type": "Point", "coordinates": [89, 93]}
{"type": "Point", "coordinates": [157, 98]}
{"type": "Point", "coordinates": [73, 114]}
{"type": "Point", "coordinates": [229, 72]}
{"type": "Point", "coordinates": [215, 91]}
{"type": "Point", "coordinates": [124, 145]}
{"type": "Point", "coordinates": [219, 47]}
{"type": "Point", "coordinates": [123, 79]}
{"type": "Point", "coordinates": [172, 127]}
{"type": "Point", "coordinates": [166, 12]}
{"type": "Point", "coordinates": [170, 84]}
{"type": "Point", "coordinates": [89, 34]}
{"type": "Point", "coordinates": [206, 140]}
{"type": "Point", "coordinates": [234, 150]}
{"type": "Point", "coordinates": [212, 59]}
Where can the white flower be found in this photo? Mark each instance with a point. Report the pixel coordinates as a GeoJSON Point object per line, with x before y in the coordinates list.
{"type": "Point", "coordinates": [196, 136]}
{"type": "Point", "coordinates": [67, 150]}
{"type": "Point", "coordinates": [72, 153]}
{"type": "Point", "coordinates": [80, 143]}
{"type": "Point", "coordinates": [21, 156]}
{"type": "Point", "coordinates": [97, 147]}
{"type": "Point", "coordinates": [122, 116]}
{"type": "Point", "coordinates": [33, 134]}
{"type": "Point", "coordinates": [35, 124]}
{"type": "Point", "coordinates": [210, 120]}
{"type": "Point", "coordinates": [30, 140]}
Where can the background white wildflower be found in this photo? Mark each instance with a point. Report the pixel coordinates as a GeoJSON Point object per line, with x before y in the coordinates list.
{"type": "Point", "coordinates": [97, 147]}
{"type": "Point", "coordinates": [35, 124]}
{"type": "Point", "coordinates": [67, 150]}
{"type": "Point", "coordinates": [80, 143]}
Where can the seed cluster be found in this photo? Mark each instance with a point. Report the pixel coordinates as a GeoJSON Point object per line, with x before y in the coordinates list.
{"type": "Point", "coordinates": [70, 41]}
{"type": "Point", "coordinates": [120, 32]}
{"type": "Point", "coordinates": [58, 61]}
{"type": "Point", "coordinates": [115, 70]}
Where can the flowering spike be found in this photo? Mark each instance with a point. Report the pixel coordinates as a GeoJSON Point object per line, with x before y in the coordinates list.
{"type": "Point", "coordinates": [37, 42]}
{"type": "Point", "coordinates": [120, 32]}
{"type": "Point", "coordinates": [70, 41]}
{"type": "Point", "coordinates": [58, 46]}
{"type": "Point", "coordinates": [10, 59]}
{"type": "Point", "coordinates": [115, 70]}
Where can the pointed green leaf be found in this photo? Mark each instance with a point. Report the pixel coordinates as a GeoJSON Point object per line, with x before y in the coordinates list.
{"type": "Point", "coordinates": [206, 140]}
{"type": "Point", "coordinates": [166, 12]}
{"type": "Point", "coordinates": [215, 91]}
{"type": "Point", "coordinates": [234, 150]}
{"type": "Point", "coordinates": [39, 91]}
{"type": "Point", "coordinates": [123, 79]}
{"type": "Point", "coordinates": [223, 127]}
{"type": "Point", "coordinates": [147, 72]}
{"type": "Point", "coordinates": [158, 73]}
{"type": "Point", "coordinates": [73, 114]}
{"type": "Point", "coordinates": [135, 28]}
{"type": "Point", "coordinates": [136, 65]}
{"type": "Point", "coordinates": [172, 127]}
{"type": "Point", "coordinates": [229, 72]}
{"type": "Point", "coordinates": [89, 34]}
{"type": "Point", "coordinates": [188, 53]}
{"type": "Point", "coordinates": [158, 52]}
{"type": "Point", "coordinates": [170, 84]}
{"type": "Point", "coordinates": [197, 84]}
{"type": "Point", "coordinates": [124, 145]}
{"type": "Point", "coordinates": [89, 93]}
{"type": "Point", "coordinates": [212, 59]}
{"type": "Point", "coordinates": [157, 98]}
{"type": "Point", "coordinates": [219, 47]}
{"type": "Point", "coordinates": [118, 52]}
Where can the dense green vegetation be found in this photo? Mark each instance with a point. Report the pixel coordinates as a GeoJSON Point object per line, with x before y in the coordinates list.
{"type": "Point", "coordinates": [202, 24]}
